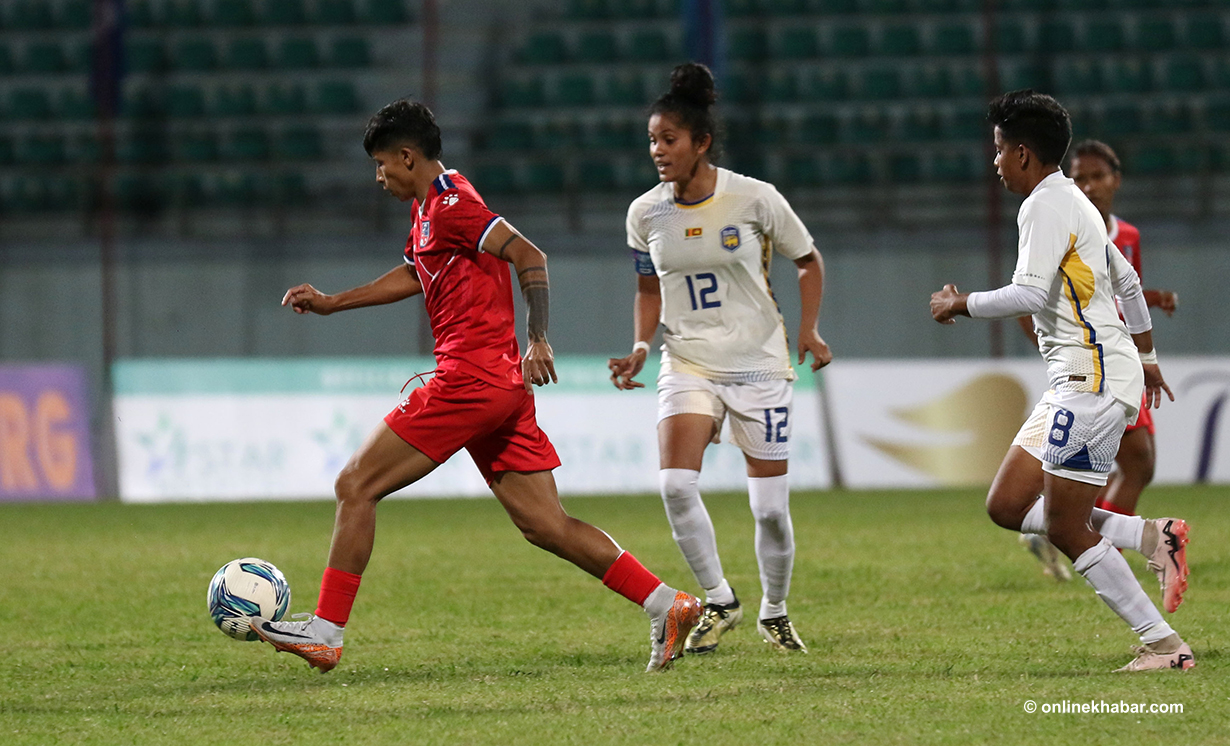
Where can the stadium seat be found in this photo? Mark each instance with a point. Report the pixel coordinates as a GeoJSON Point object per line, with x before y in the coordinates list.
{"type": "Point", "coordinates": [798, 43]}
{"type": "Point", "coordinates": [189, 190]}
{"type": "Point", "coordinates": [184, 100]}
{"type": "Point", "coordinates": [1129, 75]}
{"type": "Point", "coordinates": [1103, 34]}
{"type": "Point", "coordinates": [884, 6]}
{"type": "Point", "coordinates": [195, 54]}
{"type": "Point", "coordinates": [29, 103]}
{"type": "Point", "coordinates": [818, 129]}
{"type": "Point", "coordinates": [298, 53]}
{"type": "Point", "coordinates": [44, 57]}
{"type": "Point", "coordinates": [849, 41]}
{"type": "Point", "coordinates": [829, 84]}
{"type": "Point", "coordinates": [748, 44]}
{"type": "Point", "coordinates": [80, 57]}
{"type": "Point", "coordinates": [1013, 77]}
{"type": "Point", "coordinates": [234, 13]}
{"type": "Point", "coordinates": [954, 167]}
{"type": "Point", "coordinates": [334, 12]}
{"type": "Point", "coordinates": [6, 150]}
{"type": "Point", "coordinates": [240, 189]}
{"type": "Point", "coordinates": [286, 98]}
{"type": "Point", "coordinates": [247, 144]}
{"type": "Point", "coordinates": [386, 12]}
{"type": "Point", "coordinates": [349, 51]}
{"type": "Point", "coordinates": [144, 55]}
{"type": "Point", "coordinates": [574, 89]}
{"type": "Point", "coordinates": [899, 40]}
{"type": "Point", "coordinates": [1169, 119]}
{"type": "Point", "coordinates": [880, 82]}
{"type": "Point", "coordinates": [871, 126]}
{"type": "Point", "coordinates": [290, 188]}
{"type": "Point", "coordinates": [299, 143]}
{"type": "Point", "coordinates": [1217, 114]}
{"type": "Point", "coordinates": [510, 136]}
{"type": "Point", "coordinates": [1205, 31]}
{"type": "Point", "coordinates": [837, 6]}
{"type": "Point", "coordinates": [140, 14]}
{"type": "Point", "coordinates": [495, 178]}
{"type": "Point", "coordinates": [587, 10]}
{"type": "Point", "coordinates": [1120, 119]}
{"type": "Point", "coordinates": [143, 146]}
{"type": "Point", "coordinates": [1219, 157]}
{"type": "Point", "coordinates": [743, 8]}
{"type": "Point", "coordinates": [6, 59]}
{"type": "Point", "coordinates": [556, 135]}
{"type": "Point", "coordinates": [40, 194]}
{"type": "Point", "coordinates": [969, 80]}
{"type": "Point", "coordinates": [181, 14]}
{"type": "Point", "coordinates": [141, 102]}
{"type": "Point", "coordinates": [773, 131]}
{"type": "Point", "coordinates": [597, 46]}
{"type": "Point", "coordinates": [246, 53]}
{"type": "Point", "coordinates": [781, 86]}
{"type": "Point", "coordinates": [30, 15]}
{"type": "Point", "coordinates": [802, 171]}
{"type": "Point", "coordinates": [195, 147]}
{"type": "Point", "coordinates": [1057, 36]}
{"type": "Point", "coordinates": [922, 125]}
{"type": "Point", "coordinates": [626, 90]}
{"type": "Point", "coordinates": [287, 13]}
{"type": "Point", "coordinates": [336, 97]}
{"type": "Point", "coordinates": [1077, 76]}
{"type": "Point", "coordinates": [596, 175]}
{"type": "Point", "coordinates": [42, 150]}
{"type": "Point", "coordinates": [544, 48]}
{"type": "Point", "coordinates": [617, 135]}
{"type": "Point", "coordinates": [968, 122]}
{"type": "Point", "coordinates": [522, 92]}
{"type": "Point", "coordinates": [650, 46]}
{"type": "Point", "coordinates": [1185, 73]}
{"type": "Point", "coordinates": [235, 101]}
{"type": "Point", "coordinates": [544, 176]}
{"type": "Point", "coordinates": [904, 168]}
{"type": "Point", "coordinates": [851, 169]}
{"type": "Point", "coordinates": [1010, 37]}
{"type": "Point", "coordinates": [635, 9]}
{"type": "Point", "coordinates": [1153, 160]}
{"type": "Point", "coordinates": [76, 14]}
{"type": "Point", "coordinates": [931, 81]}
{"type": "Point", "coordinates": [76, 104]}
{"type": "Point", "coordinates": [954, 39]}
{"type": "Point", "coordinates": [1155, 34]}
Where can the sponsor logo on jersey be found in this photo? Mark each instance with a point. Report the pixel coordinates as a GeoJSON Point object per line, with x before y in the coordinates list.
{"type": "Point", "coordinates": [450, 200]}
{"type": "Point", "coordinates": [425, 235]}
{"type": "Point", "coordinates": [693, 232]}
{"type": "Point", "coordinates": [730, 238]}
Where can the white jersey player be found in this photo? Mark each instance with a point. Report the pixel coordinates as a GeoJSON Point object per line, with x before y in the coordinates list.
{"type": "Point", "coordinates": [702, 241]}
{"type": "Point", "coordinates": [1068, 277]}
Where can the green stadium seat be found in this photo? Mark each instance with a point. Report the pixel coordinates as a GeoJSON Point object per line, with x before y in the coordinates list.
{"type": "Point", "coordinates": [587, 10]}
{"type": "Point", "coordinates": [781, 86]}
{"type": "Point", "coordinates": [743, 8]}
{"type": "Point", "coordinates": [195, 146]}
{"type": "Point", "coordinates": [6, 59]}
{"type": "Point", "coordinates": [748, 44]}
{"type": "Point", "coordinates": [818, 129]}
{"type": "Point", "coordinates": [885, 6]}
{"type": "Point", "coordinates": [922, 125]}
{"type": "Point", "coordinates": [802, 171]}
{"type": "Point", "coordinates": [556, 135]}
{"type": "Point", "coordinates": [1013, 77]}
{"type": "Point", "coordinates": [626, 90]}
{"type": "Point", "coordinates": [1077, 77]}
{"type": "Point", "coordinates": [852, 169]}
{"type": "Point", "coordinates": [29, 103]}
{"type": "Point", "coordinates": [298, 53]}
{"type": "Point", "coordinates": [44, 57]}
{"type": "Point", "coordinates": [1010, 37]}
{"type": "Point", "coordinates": [6, 150]}
{"type": "Point", "coordinates": [574, 89]}
{"type": "Point", "coordinates": [869, 127]}
{"type": "Point", "coordinates": [968, 122]}
{"type": "Point", "coordinates": [969, 80]}
{"type": "Point", "coordinates": [1155, 34]}
{"type": "Point", "coordinates": [1057, 36]}
{"type": "Point", "coordinates": [1221, 73]}
{"type": "Point", "coordinates": [143, 146]}
{"type": "Point", "coordinates": [836, 6]}
{"type": "Point", "coordinates": [291, 188]}
{"type": "Point", "coordinates": [80, 57]}
{"type": "Point", "coordinates": [954, 167]}
{"type": "Point", "coordinates": [788, 7]}
{"type": "Point", "coordinates": [350, 51]}
{"type": "Point", "coordinates": [650, 46]}
{"type": "Point", "coordinates": [185, 100]}
{"type": "Point", "coordinates": [44, 194]}
{"type": "Point", "coordinates": [930, 81]}
{"type": "Point", "coordinates": [189, 190]}
{"type": "Point", "coordinates": [798, 44]}
{"type": "Point", "coordinates": [140, 193]}
{"type": "Point", "coordinates": [76, 104]}
{"type": "Point", "coordinates": [235, 101]}
{"type": "Point", "coordinates": [1205, 31]}
{"type": "Point", "coordinates": [544, 48]}
{"type": "Point", "coordinates": [240, 189]}
{"type": "Point", "coordinates": [141, 103]}
{"type": "Point", "coordinates": [1129, 75]}
{"type": "Point", "coordinates": [248, 144]}
{"type": "Point", "coordinates": [42, 150]}
{"type": "Point", "coordinates": [954, 39]}
{"type": "Point", "coordinates": [520, 92]}
{"type": "Point", "coordinates": [195, 54]}
{"type": "Point", "coordinates": [1154, 160]}
{"type": "Point", "coordinates": [1120, 119]}
{"type": "Point", "coordinates": [140, 14]}
{"type": "Point", "coordinates": [904, 168]}
{"type": "Point", "coordinates": [334, 12]}
{"type": "Point", "coordinates": [880, 82]}
{"type": "Point", "coordinates": [1174, 118]}
{"type": "Point", "coordinates": [386, 12]}
{"type": "Point", "coordinates": [30, 15]}
{"type": "Point", "coordinates": [299, 143]}
{"type": "Point", "coordinates": [1217, 114]}
{"type": "Point", "coordinates": [1185, 73]}
{"type": "Point", "coordinates": [544, 176]}
{"type": "Point", "coordinates": [182, 14]}
{"type": "Point", "coordinates": [597, 46]}
{"type": "Point", "coordinates": [596, 176]}
{"type": "Point", "coordinates": [826, 85]}
{"type": "Point", "coordinates": [76, 14]}
{"type": "Point", "coordinates": [234, 13]}
{"type": "Point", "coordinates": [246, 53]}
{"type": "Point", "coordinates": [510, 136]}
{"type": "Point", "coordinates": [1103, 34]}
{"type": "Point", "coordinates": [773, 131]}
{"type": "Point", "coordinates": [617, 135]}
{"type": "Point", "coordinates": [495, 178]}
{"type": "Point", "coordinates": [900, 41]}
{"type": "Point", "coordinates": [739, 88]}
{"type": "Point", "coordinates": [287, 13]}
{"type": "Point", "coordinates": [286, 98]}
{"type": "Point", "coordinates": [850, 41]}
{"type": "Point", "coordinates": [635, 9]}
{"type": "Point", "coordinates": [336, 97]}
{"type": "Point", "coordinates": [145, 56]}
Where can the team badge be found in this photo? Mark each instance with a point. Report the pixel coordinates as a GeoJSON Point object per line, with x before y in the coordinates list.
{"type": "Point", "coordinates": [693, 232]}
{"type": "Point", "coordinates": [450, 200]}
{"type": "Point", "coordinates": [730, 238]}
{"type": "Point", "coordinates": [425, 235]}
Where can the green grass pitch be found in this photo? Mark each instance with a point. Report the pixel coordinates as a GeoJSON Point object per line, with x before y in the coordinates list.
{"type": "Point", "coordinates": [927, 625]}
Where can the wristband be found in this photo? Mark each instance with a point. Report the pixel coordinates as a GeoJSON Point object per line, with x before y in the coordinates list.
{"type": "Point", "coordinates": [642, 346]}
{"type": "Point", "coordinates": [1148, 358]}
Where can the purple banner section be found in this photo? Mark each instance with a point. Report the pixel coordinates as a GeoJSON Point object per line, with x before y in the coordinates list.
{"type": "Point", "coordinates": [44, 434]}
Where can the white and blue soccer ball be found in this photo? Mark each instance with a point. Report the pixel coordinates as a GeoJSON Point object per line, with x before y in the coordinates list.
{"type": "Point", "coordinates": [245, 588]}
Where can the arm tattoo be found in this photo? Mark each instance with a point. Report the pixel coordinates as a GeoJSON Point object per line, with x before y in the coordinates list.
{"type": "Point", "coordinates": [535, 288]}
{"type": "Point", "coordinates": [500, 251]}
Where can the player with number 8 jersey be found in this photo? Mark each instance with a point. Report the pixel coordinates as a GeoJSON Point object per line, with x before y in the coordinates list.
{"type": "Point", "coordinates": [702, 240]}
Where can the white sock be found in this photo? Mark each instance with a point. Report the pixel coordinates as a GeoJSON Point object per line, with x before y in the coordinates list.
{"type": "Point", "coordinates": [659, 601]}
{"type": "Point", "coordinates": [1113, 581]}
{"type": "Point", "coordinates": [770, 501]}
{"type": "Point", "coordinates": [691, 525]}
{"type": "Point", "coordinates": [722, 595]}
{"type": "Point", "coordinates": [1035, 519]}
{"type": "Point", "coordinates": [328, 631]}
{"type": "Point", "coordinates": [1124, 531]}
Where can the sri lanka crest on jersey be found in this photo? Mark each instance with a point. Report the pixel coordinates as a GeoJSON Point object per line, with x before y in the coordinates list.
{"type": "Point", "coordinates": [730, 238]}
{"type": "Point", "coordinates": [425, 233]}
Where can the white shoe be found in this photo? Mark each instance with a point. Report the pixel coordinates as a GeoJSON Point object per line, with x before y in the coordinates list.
{"type": "Point", "coordinates": [321, 648]}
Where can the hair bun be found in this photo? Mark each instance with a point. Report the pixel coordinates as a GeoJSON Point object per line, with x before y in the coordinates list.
{"type": "Point", "coordinates": [693, 82]}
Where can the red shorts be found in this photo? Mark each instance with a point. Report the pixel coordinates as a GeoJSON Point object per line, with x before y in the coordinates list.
{"type": "Point", "coordinates": [1143, 420]}
{"type": "Point", "coordinates": [497, 426]}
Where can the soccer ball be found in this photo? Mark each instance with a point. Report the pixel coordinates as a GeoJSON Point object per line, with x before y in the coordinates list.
{"type": "Point", "coordinates": [244, 588]}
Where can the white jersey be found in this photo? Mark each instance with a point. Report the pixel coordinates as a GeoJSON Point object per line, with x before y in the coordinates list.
{"type": "Point", "coordinates": [712, 259]}
{"type": "Point", "coordinates": [1064, 250]}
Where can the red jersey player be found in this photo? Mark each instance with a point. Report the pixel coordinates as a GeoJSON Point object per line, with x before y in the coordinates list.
{"type": "Point", "coordinates": [480, 399]}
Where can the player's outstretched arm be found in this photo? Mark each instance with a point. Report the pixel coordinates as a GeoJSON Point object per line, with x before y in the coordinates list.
{"type": "Point", "coordinates": [948, 304]}
{"type": "Point", "coordinates": [646, 308]}
{"type": "Point", "coordinates": [397, 284]}
{"type": "Point", "coordinates": [811, 293]}
{"type": "Point", "coordinates": [538, 362]}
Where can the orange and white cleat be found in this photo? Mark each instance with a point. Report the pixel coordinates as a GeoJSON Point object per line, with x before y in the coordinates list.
{"type": "Point", "coordinates": [668, 632]}
{"type": "Point", "coordinates": [1149, 659]}
{"type": "Point", "coordinates": [312, 639]}
{"type": "Point", "coordinates": [1169, 560]}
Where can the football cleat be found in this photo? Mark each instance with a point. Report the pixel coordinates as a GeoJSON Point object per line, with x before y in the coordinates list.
{"type": "Point", "coordinates": [1169, 560]}
{"type": "Point", "coordinates": [1052, 562]}
{"type": "Point", "coordinates": [717, 620]}
{"type": "Point", "coordinates": [1148, 659]}
{"type": "Point", "coordinates": [301, 639]}
{"type": "Point", "coordinates": [779, 632]}
{"type": "Point", "coordinates": [668, 632]}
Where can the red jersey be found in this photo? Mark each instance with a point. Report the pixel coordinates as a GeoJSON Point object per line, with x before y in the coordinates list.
{"type": "Point", "coordinates": [468, 293]}
{"type": "Point", "coordinates": [1126, 238]}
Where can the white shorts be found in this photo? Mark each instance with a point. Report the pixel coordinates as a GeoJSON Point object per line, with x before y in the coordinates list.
{"type": "Point", "coordinates": [759, 412]}
{"type": "Point", "coordinates": [1075, 434]}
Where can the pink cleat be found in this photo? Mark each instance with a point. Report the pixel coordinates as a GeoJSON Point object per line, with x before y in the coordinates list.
{"type": "Point", "coordinates": [668, 632]}
{"type": "Point", "coordinates": [1169, 560]}
{"type": "Point", "coordinates": [1148, 659]}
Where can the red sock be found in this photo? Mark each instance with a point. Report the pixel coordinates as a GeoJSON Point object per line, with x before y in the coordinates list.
{"type": "Point", "coordinates": [630, 579]}
{"type": "Point", "coordinates": [337, 592]}
{"type": "Point", "coordinates": [1104, 505]}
